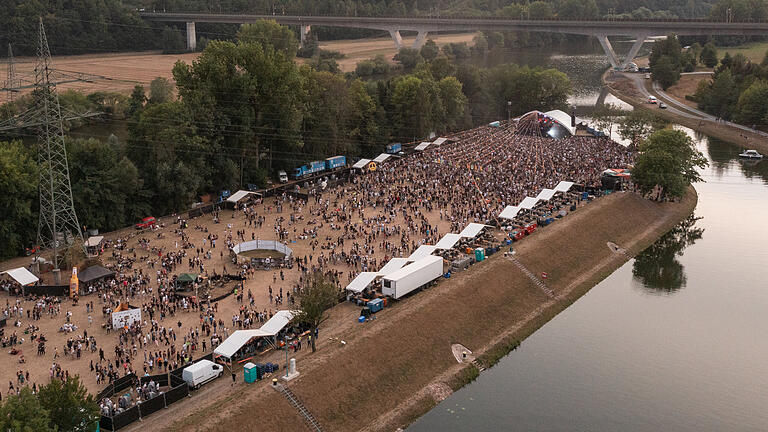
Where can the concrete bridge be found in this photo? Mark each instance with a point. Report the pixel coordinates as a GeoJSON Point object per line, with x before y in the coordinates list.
{"type": "Point", "coordinates": [639, 30]}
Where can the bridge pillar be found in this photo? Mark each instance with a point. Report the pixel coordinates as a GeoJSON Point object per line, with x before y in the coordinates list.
{"type": "Point", "coordinates": [305, 29]}
{"type": "Point", "coordinates": [397, 39]}
{"type": "Point", "coordinates": [639, 40]}
{"type": "Point", "coordinates": [420, 39]}
{"type": "Point", "coordinates": [191, 37]}
{"type": "Point", "coordinates": [612, 57]}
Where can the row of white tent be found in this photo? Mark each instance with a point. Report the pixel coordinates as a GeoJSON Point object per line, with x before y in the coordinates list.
{"type": "Point", "coordinates": [448, 241]}
{"type": "Point", "coordinates": [239, 338]}
{"type": "Point", "coordinates": [423, 146]}
{"type": "Point", "coordinates": [510, 212]}
{"type": "Point", "coordinates": [362, 163]}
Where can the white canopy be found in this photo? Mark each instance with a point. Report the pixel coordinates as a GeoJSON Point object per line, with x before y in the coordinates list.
{"type": "Point", "coordinates": [510, 212]}
{"type": "Point", "coordinates": [94, 241]}
{"type": "Point", "coordinates": [439, 141]}
{"type": "Point", "coordinates": [278, 321]}
{"type": "Point", "coordinates": [22, 276]}
{"type": "Point", "coordinates": [421, 147]}
{"type": "Point", "coordinates": [472, 230]}
{"type": "Point", "coordinates": [422, 252]}
{"type": "Point", "coordinates": [361, 163]}
{"type": "Point", "coordinates": [382, 157]}
{"type": "Point", "coordinates": [448, 241]}
{"type": "Point", "coordinates": [546, 194]}
{"type": "Point", "coordinates": [236, 340]}
{"type": "Point", "coordinates": [563, 119]}
{"type": "Point", "coordinates": [237, 196]}
{"type": "Point", "coordinates": [563, 186]}
{"type": "Point", "coordinates": [392, 266]}
{"type": "Point", "coordinates": [528, 203]}
{"type": "Point", "coordinates": [362, 281]}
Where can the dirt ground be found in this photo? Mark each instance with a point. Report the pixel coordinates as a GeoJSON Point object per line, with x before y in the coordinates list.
{"type": "Point", "coordinates": [379, 379]}
{"type": "Point", "coordinates": [686, 87]}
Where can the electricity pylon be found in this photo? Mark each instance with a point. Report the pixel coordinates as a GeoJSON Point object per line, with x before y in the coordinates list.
{"type": "Point", "coordinates": [11, 82]}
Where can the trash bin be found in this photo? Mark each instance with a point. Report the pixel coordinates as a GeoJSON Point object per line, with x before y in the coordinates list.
{"type": "Point", "coordinates": [250, 374]}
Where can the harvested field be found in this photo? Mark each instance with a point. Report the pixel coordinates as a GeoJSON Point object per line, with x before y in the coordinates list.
{"type": "Point", "coordinates": [687, 87]}
{"type": "Point", "coordinates": [385, 374]}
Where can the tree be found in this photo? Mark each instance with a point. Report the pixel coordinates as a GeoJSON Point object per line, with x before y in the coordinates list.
{"type": "Point", "coordinates": [69, 405]}
{"type": "Point", "coordinates": [270, 33]}
{"type": "Point", "coordinates": [540, 10]}
{"type": "Point", "coordinates": [669, 161]}
{"type": "Point", "coordinates": [136, 102]}
{"type": "Point", "coordinates": [160, 90]}
{"type": "Point", "coordinates": [24, 413]}
{"type": "Point", "coordinates": [19, 185]}
{"type": "Point", "coordinates": [408, 58]}
{"type": "Point", "coordinates": [665, 72]}
{"type": "Point", "coordinates": [173, 41]}
{"type": "Point", "coordinates": [720, 96]}
{"type": "Point", "coordinates": [708, 55]}
{"type": "Point", "coordinates": [752, 109]}
{"type": "Point", "coordinates": [430, 50]}
{"type": "Point", "coordinates": [606, 115]}
{"type": "Point", "coordinates": [638, 125]}
{"type": "Point", "coordinates": [316, 296]}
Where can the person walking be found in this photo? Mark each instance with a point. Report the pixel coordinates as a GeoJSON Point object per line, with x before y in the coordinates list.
{"type": "Point", "coordinates": [234, 378]}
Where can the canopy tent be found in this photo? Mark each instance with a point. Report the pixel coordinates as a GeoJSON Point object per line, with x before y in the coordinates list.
{"type": "Point", "coordinates": [361, 282]}
{"type": "Point", "coordinates": [422, 252]}
{"type": "Point", "coordinates": [239, 195]}
{"type": "Point", "coordinates": [421, 147]}
{"type": "Point", "coordinates": [546, 194]}
{"type": "Point", "coordinates": [448, 241]}
{"type": "Point", "coordinates": [392, 266]}
{"type": "Point", "coordinates": [94, 241]}
{"type": "Point", "coordinates": [382, 157]}
{"type": "Point", "coordinates": [439, 141]}
{"type": "Point", "coordinates": [472, 230]}
{"type": "Point", "coordinates": [528, 203]}
{"type": "Point", "coordinates": [361, 163]}
{"type": "Point", "coordinates": [187, 277]}
{"type": "Point", "coordinates": [239, 338]}
{"type": "Point", "coordinates": [510, 212]}
{"type": "Point", "coordinates": [563, 186]}
{"type": "Point", "coordinates": [22, 276]}
{"type": "Point", "coordinates": [93, 273]}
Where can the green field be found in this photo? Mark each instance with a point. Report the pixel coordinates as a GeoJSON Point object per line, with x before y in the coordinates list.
{"type": "Point", "coordinates": [753, 51]}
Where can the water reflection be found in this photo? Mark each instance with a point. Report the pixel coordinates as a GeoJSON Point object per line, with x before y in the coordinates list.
{"type": "Point", "coordinates": [657, 267]}
{"type": "Point", "coordinates": [724, 156]}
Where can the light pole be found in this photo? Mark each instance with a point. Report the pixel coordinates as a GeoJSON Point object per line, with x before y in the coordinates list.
{"type": "Point", "coordinates": [509, 111]}
{"type": "Point", "coordinates": [285, 337]}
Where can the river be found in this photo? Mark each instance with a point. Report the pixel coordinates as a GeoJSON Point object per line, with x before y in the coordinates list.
{"type": "Point", "coordinates": [673, 340]}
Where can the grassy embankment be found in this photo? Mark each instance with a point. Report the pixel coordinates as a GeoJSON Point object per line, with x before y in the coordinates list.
{"type": "Point", "coordinates": [399, 366]}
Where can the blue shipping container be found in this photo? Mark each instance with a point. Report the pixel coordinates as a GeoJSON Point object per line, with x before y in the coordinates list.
{"type": "Point", "coordinates": [335, 162]}
{"type": "Point", "coordinates": [394, 148]}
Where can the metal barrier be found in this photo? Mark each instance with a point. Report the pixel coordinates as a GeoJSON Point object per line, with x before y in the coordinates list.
{"type": "Point", "coordinates": [125, 418]}
{"type": "Point", "coordinates": [47, 290]}
{"type": "Point", "coordinates": [177, 393]}
{"type": "Point", "coordinates": [125, 382]}
{"type": "Point", "coordinates": [152, 405]}
{"type": "Point", "coordinates": [161, 380]}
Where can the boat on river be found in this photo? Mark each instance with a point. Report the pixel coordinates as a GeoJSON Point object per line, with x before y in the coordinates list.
{"type": "Point", "coordinates": [750, 154]}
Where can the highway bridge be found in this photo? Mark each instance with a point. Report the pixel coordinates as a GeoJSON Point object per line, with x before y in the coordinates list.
{"type": "Point", "coordinates": [602, 29]}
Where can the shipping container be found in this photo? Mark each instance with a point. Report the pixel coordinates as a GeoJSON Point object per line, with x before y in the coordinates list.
{"type": "Point", "coordinates": [412, 276]}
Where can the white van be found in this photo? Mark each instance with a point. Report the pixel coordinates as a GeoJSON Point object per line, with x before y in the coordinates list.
{"type": "Point", "coordinates": [283, 176]}
{"type": "Point", "coordinates": [201, 372]}
{"type": "Point", "coordinates": [652, 99]}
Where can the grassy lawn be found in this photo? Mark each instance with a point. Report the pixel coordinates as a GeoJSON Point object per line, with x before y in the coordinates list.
{"type": "Point", "coordinates": [753, 51]}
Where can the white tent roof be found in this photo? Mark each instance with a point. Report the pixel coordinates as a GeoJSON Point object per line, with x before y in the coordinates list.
{"type": "Point", "coordinates": [382, 157]}
{"type": "Point", "coordinates": [237, 196]}
{"type": "Point", "coordinates": [439, 141]}
{"type": "Point", "coordinates": [422, 252]}
{"type": "Point", "coordinates": [546, 194]}
{"type": "Point", "coordinates": [414, 267]}
{"type": "Point", "coordinates": [94, 241]}
{"type": "Point", "coordinates": [448, 241]}
{"type": "Point", "coordinates": [279, 320]}
{"type": "Point", "coordinates": [235, 341]}
{"type": "Point", "coordinates": [509, 212]}
{"type": "Point", "coordinates": [563, 186]}
{"type": "Point", "coordinates": [361, 163]}
{"type": "Point", "coordinates": [472, 230]}
{"type": "Point", "coordinates": [22, 276]}
{"type": "Point", "coordinates": [528, 203]}
{"type": "Point", "coordinates": [563, 118]}
{"type": "Point", "coordinates": [362, 281]}
{"type": "Point", "coordinates": [421, 147]}
{"type": "Point", "coordinates": [392, 266]}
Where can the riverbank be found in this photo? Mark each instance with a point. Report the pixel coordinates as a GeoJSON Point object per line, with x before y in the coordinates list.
{"type": "Point", "coordinates": [396, 368]}
{"type": "Point", "coordinates": [626, 90]}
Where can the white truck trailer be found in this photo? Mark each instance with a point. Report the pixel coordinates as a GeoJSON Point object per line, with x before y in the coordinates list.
{"type": "Point", "coordinates": [412, 276]}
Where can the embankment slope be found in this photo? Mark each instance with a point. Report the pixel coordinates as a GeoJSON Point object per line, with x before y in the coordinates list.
{"type": "Point", "coordinates": [387, 373]}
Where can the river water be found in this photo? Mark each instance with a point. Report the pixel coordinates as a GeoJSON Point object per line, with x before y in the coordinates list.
{"type": "Point", "coordinates": [674, 340]}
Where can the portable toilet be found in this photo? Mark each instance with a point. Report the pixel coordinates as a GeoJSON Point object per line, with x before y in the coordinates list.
{"type": "Point", "coordinates": [375, 305]}
{"type": "Point", "coordinates": [479, 254]}
{"type": "Point", "coordinates": [249, 372]}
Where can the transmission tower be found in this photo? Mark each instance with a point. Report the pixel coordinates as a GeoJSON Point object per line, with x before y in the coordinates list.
{"type": "Point", "coordinates": [11, 82]}
{"type": "Point", "coordinates": [58, 226]}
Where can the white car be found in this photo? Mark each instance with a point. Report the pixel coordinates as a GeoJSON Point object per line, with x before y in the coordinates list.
{"type": "Point", "coordinates": [647, 76]}
{"type": "Point", "coordinates": [652, 100]}
{"type": "Point", "coordinates": [750, 154]}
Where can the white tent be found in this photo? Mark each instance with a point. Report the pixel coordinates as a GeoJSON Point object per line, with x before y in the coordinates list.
{"type": "Point", "coordinates": [472, 230]}
{"type": "Point", "coordinates": [362, 281]}
{"type": "Point", "coordinates": [421, 147]}
{"type": "Point", "coordinates": [236, 340]}
{"type": "Point", "coordinates": [22, 276]}
{"type": "Point", "coordinates": [239, 195]}
{"type": "Point", "coordinates": [94, 241]}
{"type": "Point", "coordinates": [392, 266]}
{"type": "Point", "coordinates": [422, 252]}
{"type": "Point", "coordinates": [546, 194]}
{"type": "Point", "coordinates": [510, 212]}
{"type": "Point", "coordinates": [563, 186]}
{"type": "Point", "coordinates": [448, 241]}
{"type": "Point", "coordinates": [361, 163]}
{"type": "Point", "coordinates": [439, 141]}
{"type": "Point", "coordinates": [382, 157]}
{"type": "Point", "coordinates": [278, 321]}
{"type": "Point", "coordinates": [563, 119]}
{"type": "Point", "coordinates": [528, 203]}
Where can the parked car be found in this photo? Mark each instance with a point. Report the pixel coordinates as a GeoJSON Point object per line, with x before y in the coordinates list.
{"type": "Point", "coordinates": [517, 234]}
{"type": "Point", "coordinates": [283, 176]}
{"type": "Point", "coordinates": [647, 76]}
{"type": "Point", "coordinates": [147, 222]}
{"type": "Point", "coordinates": [201, 372]}
{"type": "Point", "coordinates": [662, 105]}
{"type": "Point", "coordinates": [652, 99]}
